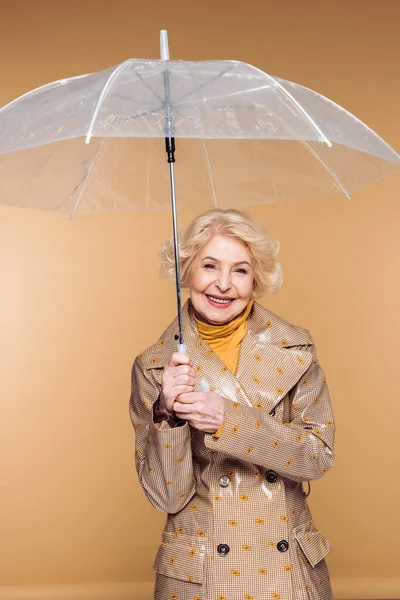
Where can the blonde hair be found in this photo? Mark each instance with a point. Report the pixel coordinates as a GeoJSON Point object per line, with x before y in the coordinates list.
{"type": "Point", "coordinates": [262, 249]}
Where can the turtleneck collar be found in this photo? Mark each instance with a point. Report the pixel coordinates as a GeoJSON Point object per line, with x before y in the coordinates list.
{"type": "Point", "coordinates": [211, 332]}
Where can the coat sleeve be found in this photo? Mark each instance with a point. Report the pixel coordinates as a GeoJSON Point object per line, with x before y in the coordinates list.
{"type": "Point", "coordinates": [163, 454]}
{"type": "Point", "coordinates": [302, 449]}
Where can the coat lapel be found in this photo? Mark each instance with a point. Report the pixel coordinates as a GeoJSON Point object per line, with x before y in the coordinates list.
{"type": "Point", "coordinates": [270, 363]}
{"type": "Point", "coordinates": [268, 372]}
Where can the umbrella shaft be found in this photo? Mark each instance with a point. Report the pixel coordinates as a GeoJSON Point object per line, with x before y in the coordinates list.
{"type": "Point", "coordinates": [170, 148]}
{"type": "Point", "coordinates": [176, 243]}
{"type": "Point", "coordinates": [168, 108]}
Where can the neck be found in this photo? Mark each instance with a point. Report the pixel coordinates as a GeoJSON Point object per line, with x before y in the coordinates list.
{"type": "Point", "coordinates": [200, 317]}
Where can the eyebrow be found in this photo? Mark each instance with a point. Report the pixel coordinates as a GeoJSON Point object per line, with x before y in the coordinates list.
{"type": "Point", "coordinates": [241, 262]}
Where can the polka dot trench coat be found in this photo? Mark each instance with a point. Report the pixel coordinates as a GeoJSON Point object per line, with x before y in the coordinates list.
{"type": "Point", "coordinates": [238, 524]}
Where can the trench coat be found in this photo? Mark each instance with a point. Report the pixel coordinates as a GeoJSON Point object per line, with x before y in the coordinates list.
{"type": "Point", "coordinates": [239, 526]}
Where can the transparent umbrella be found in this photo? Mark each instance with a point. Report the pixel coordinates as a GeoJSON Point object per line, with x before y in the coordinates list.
{"type": "Point", "coordinates": [91, 143]}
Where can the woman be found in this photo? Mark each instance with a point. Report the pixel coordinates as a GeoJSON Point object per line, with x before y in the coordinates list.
{"type": "Point", "coordinates": [228, 465]}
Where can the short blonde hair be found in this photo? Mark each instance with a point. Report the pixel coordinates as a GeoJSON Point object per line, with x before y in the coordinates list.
{"type": "Point", "coordinates": [262, 248]}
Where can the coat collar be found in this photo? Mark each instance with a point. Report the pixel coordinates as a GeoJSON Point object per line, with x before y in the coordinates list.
{"type": "Point", "coordinates": [273, 357]}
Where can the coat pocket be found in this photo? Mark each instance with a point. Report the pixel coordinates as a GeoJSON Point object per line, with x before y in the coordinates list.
{"type": "Point", "coordinates": [180, 559]}
{"type": "Point", "coordinates": [312, 542]}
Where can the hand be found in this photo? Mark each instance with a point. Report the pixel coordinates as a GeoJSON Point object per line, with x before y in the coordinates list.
{"type": "Point", "coordinates": [178, 378]}
{"type": "Point", "coordinates": [203, 410]}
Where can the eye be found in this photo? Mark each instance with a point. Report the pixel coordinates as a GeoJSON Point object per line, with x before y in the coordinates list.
{"type": "Point", "coordinates": [208, 266]}
{"type": "Point", "coordinates": [242, 271]}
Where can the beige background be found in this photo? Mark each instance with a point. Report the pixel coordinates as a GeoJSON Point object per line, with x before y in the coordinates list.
{"type": "Point", "coordinates": [74, 296]}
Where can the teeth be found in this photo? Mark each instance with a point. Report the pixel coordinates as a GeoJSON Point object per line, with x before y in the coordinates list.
{"type": "Point", "coordinates": [220, 300]}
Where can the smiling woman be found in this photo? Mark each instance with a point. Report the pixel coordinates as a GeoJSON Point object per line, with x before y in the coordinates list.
{"type": "Point", "coordinates": [228, 465]}
{"type": "Point", "coordinates": [237, 226]}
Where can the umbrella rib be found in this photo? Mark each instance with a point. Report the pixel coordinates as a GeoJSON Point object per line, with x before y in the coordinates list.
{"type": "Point", "coordinates": [108, 83]}
{"type": "Point", "coordinates": [177, 114]}
{"type": "Point", "coordinates": [132, 100]}
{"type": "Point", "coordinates": [146, 114]}
{"type": "Point", "coordinates": [218, 97]}
{"type": "Point", "coordinates": [323, 163]}
{"type": "Point", "coordinates": [87, 178]}
{"type": "Point", "coordinates": [314, 125]}
{"type": "Point", "coordinates": [163, 103]}
{"type": "Point", "coordinates": [202, 85]}
{"type": "Point", "coordinates": [361, 123]}
{"type": "Point", "coordinates": [150, 88]}
{"type": "Point", "coordinates": [210, 172]}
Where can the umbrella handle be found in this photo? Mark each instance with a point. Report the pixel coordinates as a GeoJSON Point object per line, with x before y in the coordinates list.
{"type": "Point", "coordinates": [204, 385]}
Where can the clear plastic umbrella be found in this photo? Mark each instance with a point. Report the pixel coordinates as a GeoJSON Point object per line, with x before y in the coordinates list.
{"type": "Point", "coordinates": [243, 137]}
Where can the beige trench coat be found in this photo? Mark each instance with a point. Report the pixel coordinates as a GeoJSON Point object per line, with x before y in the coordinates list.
{"type": "Point", "coordinates": [238, 525]}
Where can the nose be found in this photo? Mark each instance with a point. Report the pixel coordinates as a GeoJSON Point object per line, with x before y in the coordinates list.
{"type": "Point", "coordinates": [224, 281]}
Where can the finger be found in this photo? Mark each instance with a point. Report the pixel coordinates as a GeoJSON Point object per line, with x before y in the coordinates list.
{"type": "Point", "coordinates": [182, 370]}
{"type": "Point", "coordinates": [178, 358]}
{"type": "Point", "coordinates": [174, 372]}
{"type": "Point", "coordinates": [175, 391]}
{"type": "Point", "coordinates": [183, 409]}
{"type": "Point", "coordinates": [189, 418]}
{"type": "Point", "coordinates": [187, 397]}
{"type": "Point", "coordinates": [183, 379]}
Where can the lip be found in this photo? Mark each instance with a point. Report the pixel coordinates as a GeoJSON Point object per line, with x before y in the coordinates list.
{"type": "Point", "coordinates": [217, 304]}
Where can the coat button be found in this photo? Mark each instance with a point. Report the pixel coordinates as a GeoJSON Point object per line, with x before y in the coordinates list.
{"type": "Point", "coordinates": [272, 412]}
{"type": "Point", "coordinates": [271, 476]}
{"type": "Point", "coordinates": [223, 549]}
{"type": "Point", "coordinates": [282, 546]}
{"type": "Point", "coordinates": [224, 480]}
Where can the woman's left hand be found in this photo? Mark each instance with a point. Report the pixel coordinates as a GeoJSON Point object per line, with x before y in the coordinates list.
{"type": "Point", "coordinates": [203, 410]}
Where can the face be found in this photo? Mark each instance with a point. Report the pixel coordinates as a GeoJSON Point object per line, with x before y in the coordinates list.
{"type": "Point", "coordinates": [221, 280]}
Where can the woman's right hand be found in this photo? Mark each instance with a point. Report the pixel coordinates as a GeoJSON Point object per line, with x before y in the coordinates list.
{"type": "Point", "coordinates": [178, 378]}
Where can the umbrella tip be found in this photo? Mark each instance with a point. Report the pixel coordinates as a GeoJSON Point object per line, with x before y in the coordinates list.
{"type": "Point", "coordinates": [164, 49]}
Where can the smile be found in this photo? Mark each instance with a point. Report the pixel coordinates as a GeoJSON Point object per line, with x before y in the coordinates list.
{"type": "Point", "coordinates": [220, 301]}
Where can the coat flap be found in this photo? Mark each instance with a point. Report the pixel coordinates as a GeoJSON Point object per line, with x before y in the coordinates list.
{"type": "Point", "coordinates": [180, 559]}
{"type": "Point", "coordinates": [268, 372]}
{"type": "Point", "coordinates": [312, 542]}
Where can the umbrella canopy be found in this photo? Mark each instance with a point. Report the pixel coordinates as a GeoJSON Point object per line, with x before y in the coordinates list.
{"type": "Point", "coordinates": [243, 137]}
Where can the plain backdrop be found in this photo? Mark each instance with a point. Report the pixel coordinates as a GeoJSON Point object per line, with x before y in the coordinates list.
{"type": "Point", "coordinates": [80, 299]}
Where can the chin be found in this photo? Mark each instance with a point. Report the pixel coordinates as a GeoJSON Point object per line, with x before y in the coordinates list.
{"type": "Point", "coordinates": [219, 319]}
{"type": "Point", "coordinates": [220, 316]}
